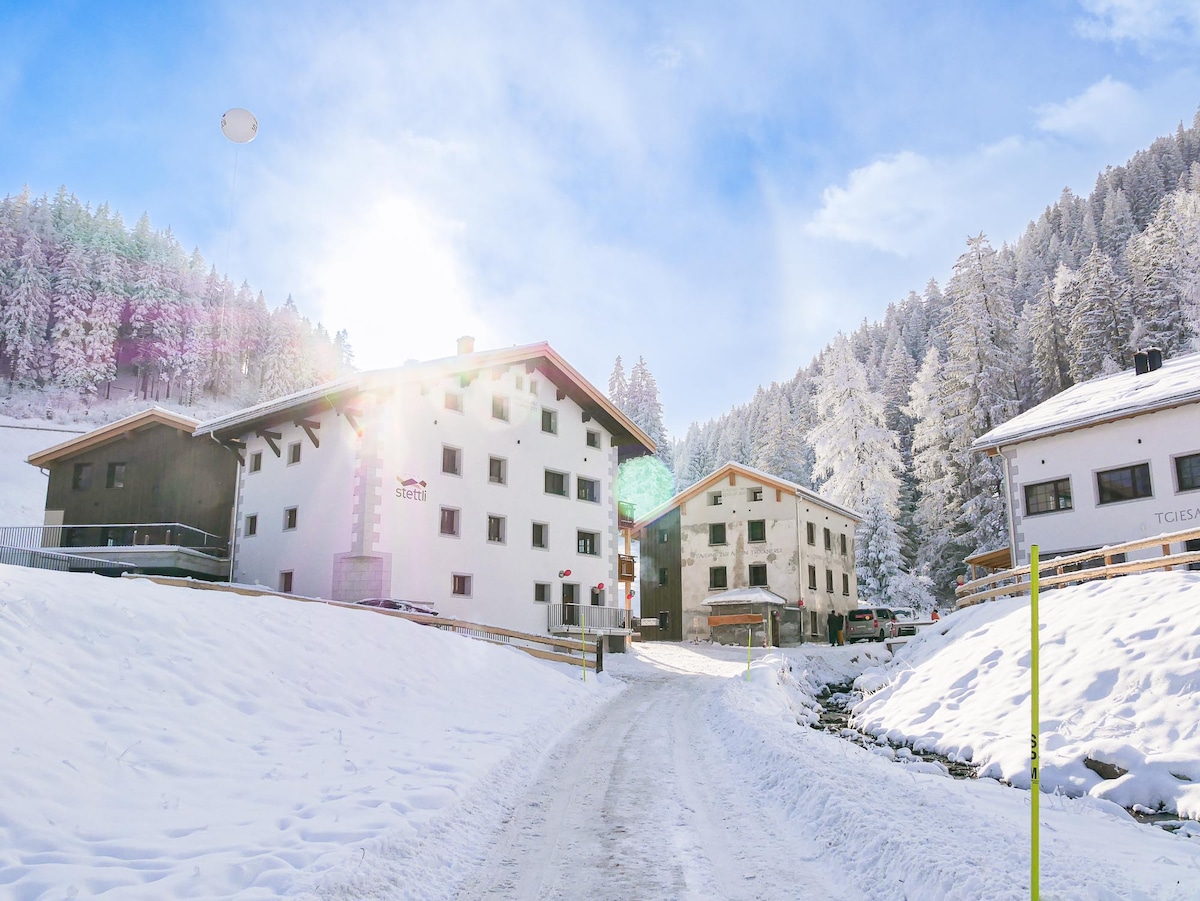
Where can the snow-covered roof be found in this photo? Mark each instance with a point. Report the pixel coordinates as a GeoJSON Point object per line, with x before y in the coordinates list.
{"type": "Point", "coordinates": [745, 596]}
{"type": "Point", "coordinates": [111, 432]}
{"type": "Point", "coordinates": [335, 394]}
{"type": "Point", "coordinates": [1100, 400]}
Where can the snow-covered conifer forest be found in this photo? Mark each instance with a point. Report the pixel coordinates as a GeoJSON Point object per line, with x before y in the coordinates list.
{"type": "Point", "coordinates": [89, 306]}
{"type": "Point", "coordinates": [882, 420]}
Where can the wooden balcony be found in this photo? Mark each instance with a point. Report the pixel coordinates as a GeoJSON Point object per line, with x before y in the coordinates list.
{"type": "Point", "coordinates": [625, 568]}
{"type": "Point", "coordinates": [625, 518]}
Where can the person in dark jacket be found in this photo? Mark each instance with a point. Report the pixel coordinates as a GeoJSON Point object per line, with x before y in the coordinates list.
{"type": "Point", "coordinates": [831, 623]}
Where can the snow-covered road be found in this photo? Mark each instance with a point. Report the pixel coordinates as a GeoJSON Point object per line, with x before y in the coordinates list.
{"type": "Point", "coordinates": [644, 801]}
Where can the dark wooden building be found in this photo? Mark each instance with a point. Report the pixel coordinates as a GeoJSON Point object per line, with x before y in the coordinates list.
{"type": "Point", "coordinates": [145, 490]}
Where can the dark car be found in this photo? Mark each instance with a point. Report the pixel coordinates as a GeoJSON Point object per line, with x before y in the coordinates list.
{"type": "Point", "coordinates": [393, 604]}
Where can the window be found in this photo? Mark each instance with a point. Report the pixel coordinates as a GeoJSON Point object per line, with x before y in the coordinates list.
{"type": "Point", "coordinates": [116, 476]}
{"type": "Point", "coordinates": [714, 498]}
{"type": "Point", "coordinates": [533, 387]}
{"type": "Point", "coordinates": [290, 516]}
{"type": "Point", "coordinates": [716, 533]}
{"type": "Point", "coordinates": [662, 576]}
{"type": "Point", "coordinates": [549, 422]}
{"type": "Point", "coordinates": [460, 585]}
{"type": "Point", "coordinates": [842, 543]}
{"type": "Point", "coordinates": [541, 592]}
{"type": "Point", "coordinates": [285, 581]}
{"type": "Point", "coordinates": [251, 525]}
{"type": "Point", "coordinates": [846, 584]}
{"type": "Point", "coordinates": [755, 494]}
{"type": "Point", "coordinates": [256, 461]}
{"type": "Point", "coordinates": [829, 580]}
{"type": "Point", "coordinates": [454, 401]}
{"type": "Point", "coordinates": [811, 533]}
{"type": "Point", "coordinates": [662, 536]}
{"type": "Point", "coordinates": [758, 575]}
{"type": "Point", "coordinates": [588, 542]}
{"type": "Point", "coordinates": [499, 407]}
{"type": "Point", "coordinates": [812, 577]}
{"type": "Point", "coordinates": [519, 382]}
{"type": "Point", "coordinates": [757, 529]}
{"type": "Point", "coordinates": [1046, 497]}
{"type": "Point", "coordinates": [293, 453]}
{"type": "Point", "coordinates": [1192, 544]}
{"type": "Point", "coordinates": [587, 489]}
{"type": "Point", "coordinates": [451, 460]}
{"type": "Point", "coordinates": [541, 535]}
{"type": "Point", "coordinates": [1187, 472]}
{"type": "Point", "coordinates": [593, 438]}
{"type": "Point", "coordinates": [1124, 484]}
{"type": "Point", "coordinates": [717, 577]}
{"type": "Point", "coordinates": [556, 483]}
{"type": "Point", "coordinates": [495, 529]}
{"type": "Point", "coordinates": [449, 521]}
{"type": "Point", "coordinates": [81, 477]}
{"type": "Point", "coordinates": [828, 540]}
{"type": "Point", "coordinates": [497, 470]}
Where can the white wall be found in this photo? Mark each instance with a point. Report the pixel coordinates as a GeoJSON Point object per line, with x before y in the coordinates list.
{"type": "Point", "coordinates": [1153, 438]}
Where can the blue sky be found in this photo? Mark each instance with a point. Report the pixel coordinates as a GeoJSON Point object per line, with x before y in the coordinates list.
{"type": "Point", "coordinates": [718, 187]}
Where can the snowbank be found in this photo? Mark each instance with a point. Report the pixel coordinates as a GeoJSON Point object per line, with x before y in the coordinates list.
{"type": "Point", "coordinates": [1120, 686]}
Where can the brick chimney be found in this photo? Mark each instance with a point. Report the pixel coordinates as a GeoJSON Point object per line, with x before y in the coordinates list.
{"type": "Point", "coordinates": [466, 345]}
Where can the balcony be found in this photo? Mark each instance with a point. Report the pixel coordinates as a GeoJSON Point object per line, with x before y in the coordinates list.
{"type": "Point", "coordinates": [566, 618]}
{"type": "Point", "coordinates": [166, 548]}
{"type": "Point", "coordinates": [625, 518]}
{"type": "Point", "coordinates": [625, 568]}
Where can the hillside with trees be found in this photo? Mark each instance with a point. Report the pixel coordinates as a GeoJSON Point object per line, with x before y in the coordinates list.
{"type": "Point", "coordinates": [883, 419]}
{"type": "Point", "coordinates": [93, 308]}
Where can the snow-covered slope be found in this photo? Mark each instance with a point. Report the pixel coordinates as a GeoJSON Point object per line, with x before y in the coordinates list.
{"type": "Point", "coordinates": [22, 487]}
{"type": "Point", "coordinates": [1120, 684]}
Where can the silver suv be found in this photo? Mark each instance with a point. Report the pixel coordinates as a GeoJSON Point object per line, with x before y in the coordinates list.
{"type": "Point", "coordinates": [863, 625]}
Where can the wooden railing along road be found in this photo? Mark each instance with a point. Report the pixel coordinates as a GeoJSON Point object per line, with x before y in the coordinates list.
{"type": "Point", "coordinates": [1082, 567]}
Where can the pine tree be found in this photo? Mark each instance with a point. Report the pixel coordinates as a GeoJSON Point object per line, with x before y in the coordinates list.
{"type": "Point", "coordinates": [618, 387]}
{"type": "Point", "coordinates": [1101, 321]}
{"type": "Point", "coordinates": [877, 554]}
{"type": "Point", "coordinates": [25, 303]}
{"type": "Point", "coordinates": [644, 407]}
{"type": "Point", "coordinates": [1048, 336]}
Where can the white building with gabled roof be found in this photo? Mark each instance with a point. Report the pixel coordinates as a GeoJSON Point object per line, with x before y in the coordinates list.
{"type": "Point", "coordinates": [482, 484]}
{"type": "Point", "coordinates": [1110, 460]}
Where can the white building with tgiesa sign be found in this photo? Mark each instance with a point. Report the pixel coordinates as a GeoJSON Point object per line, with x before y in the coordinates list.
{"type": "Point", "coordinates": [1112, 460]}
{"type": "Point", "coordinates": [483, 485]}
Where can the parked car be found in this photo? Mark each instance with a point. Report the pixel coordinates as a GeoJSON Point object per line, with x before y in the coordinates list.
{"type": "Point", "coordinates": [862, 625]}
{"type": "Point", "coordinates": [903, 623]}
{"type": "Point", "coordinates": [393, 604]}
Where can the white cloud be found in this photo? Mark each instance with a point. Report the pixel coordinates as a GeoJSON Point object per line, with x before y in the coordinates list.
{"type": "Point", "coordinates": [1142, 21]}
{"type": "Point", "coordinates": [1107, 111]}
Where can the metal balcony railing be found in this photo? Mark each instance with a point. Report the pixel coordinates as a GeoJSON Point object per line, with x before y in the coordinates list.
{"type": "Point", "coordinates": [573, 617]}
{"type": "Point", "coordinates": [173, 534]}
{"type": "Point", "coordinates": [52, 560]}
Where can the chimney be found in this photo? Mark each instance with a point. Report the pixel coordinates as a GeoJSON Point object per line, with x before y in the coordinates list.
{"type": "Point", "coordinates": [466, 345]}
{"type": "Point", "coordinates": [1154, 358]}
{"type": "Point", "coordinates": [1141, 363]}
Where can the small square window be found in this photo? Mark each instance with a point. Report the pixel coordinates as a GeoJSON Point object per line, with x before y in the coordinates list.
{"type": "Point", "coordinates": [251, 525]}
{"type": "Point", "coordinates": [662, 536]}
{"type": "Point", "coordinates": [1124, 484]}
{"type": "Point", "coordinates": [449, 521]}
{"type": "Point", "coordinates": [829, 580]}
{"type": "Point", "coordinates": [495, 529]}
{"type": "Point", "coordinates": [451, 460]}
{"type": "Point", "coordinates": [541, 535]}
{"type": "Point", "coordinates": [758, 575]}
{"type": "Point", "coordinates": [714, 498]}
{"type": "Point", "coordinates": [533, 387]}
{"type": "Point", "coordinates": [81, 477]}
{"type": "Point", "coordinates": [541, 592]}
{"type": "Point", "coordinates": [290, 517]}
{"type": "Point", "coordinates": [846, 584]}
{"type": "Point", "coordinates": [662, 576]}
{"type": "Point", "coordinates": [842, 543]}
{"type": "Point", "coordinates": [717, 577]}
{"type": "Point", "coordinates": [588, 543]}
{"type": "Point", "coordinates": [116, 476]}
{"type": "Point", "coordinates": [497, 470]}
{"type": "Point", "coordinates": [460, 585]}
{"type": "Point", "coordinates": [1047, 497]}
{"type": "Point", "coordinates": [285, 581]}
{"type": "Point", "coordinates": [549, 421]}
{"type": "Point", "coordinates": [1187, 472]}
{"type": "Point", "coordinates": [454, 401]}
{"type": "Point", "coordinates": [812, 577]}
{"type": "Point", "coordinates": [755, 494]}
{"type": "Point", "coordinates": [828, 540]}
{"type": "Point", "coordinates": [716, 533]}
{"type": "Point", "coordinates": [810, 530]}
{"type": "Point", "coordinates": [587, 489]}
{"type": "Point", "coordinates": [256, 461]}
{"type": "Point", "coordinates": [293, 453]}
{"type": "Point", "coordinates": [500, 407]}
{"type": "Point", "coordinates": [556, 483]}
{"type": "Point", "coordinates": [593, 438]}
{"type": "Point", "coordinates": [757, 529]}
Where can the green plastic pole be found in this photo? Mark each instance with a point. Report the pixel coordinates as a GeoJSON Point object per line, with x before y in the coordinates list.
{"type": "Point", "coordinates": [1035, 723]}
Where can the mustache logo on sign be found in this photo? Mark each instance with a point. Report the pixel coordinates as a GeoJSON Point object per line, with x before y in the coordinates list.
{"type": "Point", "coordinates": [411, 489]}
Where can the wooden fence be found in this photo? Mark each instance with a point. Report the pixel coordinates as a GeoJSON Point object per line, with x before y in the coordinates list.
{"type": "Point", "coordinates": [544, 647]}
{"type": "Point", "coordinates": [1102, 563]}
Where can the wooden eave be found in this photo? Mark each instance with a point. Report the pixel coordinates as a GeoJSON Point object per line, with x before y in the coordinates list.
{"type": "Point", "coordinates": [302, 411]}
{"type": "Point", "coordinates": [998, 559]}
{"type": "Point", "coordinates": [114, 431]}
